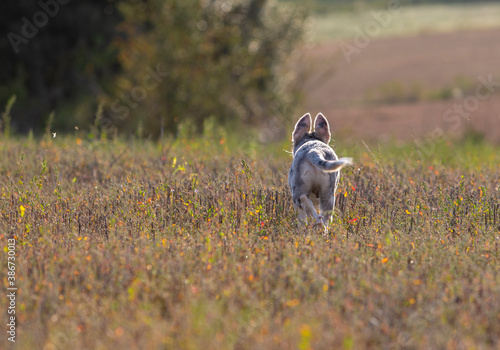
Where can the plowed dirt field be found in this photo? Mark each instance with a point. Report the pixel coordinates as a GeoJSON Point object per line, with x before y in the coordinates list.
{"type": "Point", "coordinates": [344, 90]}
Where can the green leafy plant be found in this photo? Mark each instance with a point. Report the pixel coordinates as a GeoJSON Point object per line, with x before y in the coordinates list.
{"type": "Point", "coordinates": [6, 117]}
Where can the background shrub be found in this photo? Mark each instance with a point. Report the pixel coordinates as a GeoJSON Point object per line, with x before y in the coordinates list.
{"type": "Point", "coordinates": [221, 60]}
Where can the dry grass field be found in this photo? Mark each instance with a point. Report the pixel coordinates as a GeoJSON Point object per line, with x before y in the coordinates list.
{"type": "Point", "coordinates": [193, 244]}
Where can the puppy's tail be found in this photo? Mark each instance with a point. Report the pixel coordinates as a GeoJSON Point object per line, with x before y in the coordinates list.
{"type": "Point", "coordinates": [330, 165]}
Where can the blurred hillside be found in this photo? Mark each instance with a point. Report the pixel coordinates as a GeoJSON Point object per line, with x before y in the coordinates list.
{"type": "Point", "coordinates": [408, 72]}
{"type": "Point", "coordinates": [150, 67]}
{"type": "Point", "coordinates": [322, 7]}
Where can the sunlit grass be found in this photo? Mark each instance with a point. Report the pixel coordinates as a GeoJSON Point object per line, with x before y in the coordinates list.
{"type": "Point", "coordinates": [406, 20]}
{"type": "Point", "coordinates": [194, 244]}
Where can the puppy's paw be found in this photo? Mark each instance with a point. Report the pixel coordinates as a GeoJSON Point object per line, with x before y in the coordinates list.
{"type": "Point", "coordinates": [319, 221]}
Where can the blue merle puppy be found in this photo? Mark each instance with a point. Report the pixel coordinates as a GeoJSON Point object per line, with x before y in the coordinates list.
{"type": "Point", "coordinates": [314, 173]}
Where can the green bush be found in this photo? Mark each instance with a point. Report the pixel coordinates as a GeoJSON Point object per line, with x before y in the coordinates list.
{"type": "Point", "coordinates": [188, 62]}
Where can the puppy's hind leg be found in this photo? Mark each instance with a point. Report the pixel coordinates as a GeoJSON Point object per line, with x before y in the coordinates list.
{"type": "Point", "coordinates": [302, 217]}
{"type": "Point", "coordinates": [308, 207]}
{"type": "Point", "coordinates": [326, 205]}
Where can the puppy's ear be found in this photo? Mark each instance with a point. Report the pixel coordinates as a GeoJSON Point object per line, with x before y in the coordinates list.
{"type": "Point", "coordinates": [302, 127]}
{"type": "Point", "coordinates": [322, 129]}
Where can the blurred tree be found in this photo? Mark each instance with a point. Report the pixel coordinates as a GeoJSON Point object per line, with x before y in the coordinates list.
{"type": "Point", "coordinates": [153, 63]}
{"type": "Point", "coordinates": [189, 61]}
{"type": "Point", "coordinates": [56, 55]}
